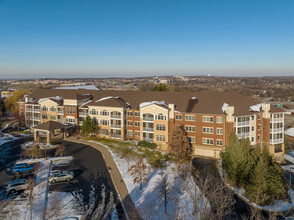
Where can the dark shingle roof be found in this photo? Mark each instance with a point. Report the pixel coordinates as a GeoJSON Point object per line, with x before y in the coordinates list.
{"type": "Point", "coordinates": [190, 102]}
{"type": "Point", "coordinates": [49, 126]}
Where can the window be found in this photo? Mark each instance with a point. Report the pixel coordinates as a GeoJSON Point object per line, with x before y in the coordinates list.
{"type": "Point", "coordinates": [252, 139]}
{"type": "Point", "coordinates": [207, 141]}
{"type": "Point", "coordinates": [104, 122]}
{"type": "Point", "coordinates": [130, 133]}
{"type": "Point", "coordinates": [190, 128]}
{"type": "Point", "coordinates": [207, 130]}
{"type": "Point", "coordinates": [178, 117]}
{"type": "Point", "coordinates": [93, 112]}
{"type": "Point", "coordinates": [129, 113]}
{"type": "Point", "coordinates": [207, 119]}
{"type": "Point", "coordinates": [160, 138]}
{"type": "Point", "coordinates": [21, 105]}
{"type": "Point", "coordinates": [258, 127]}
{"type": "Point", "coordinates": [160, 127]}
{"type": "Point", "coordinates": [219, 120]}
{"type": "Point", "coordinates": [219, 131]}
{"type": "Point", "coordinates": [258, 137]}
{"type": "Point", "coordinates": [160, 117]}
{"type": "Point", "coordinates": [44, 108]}
{"type": "Point", "coordinates": [130, 123]}
{"type": "Point", "coordinates": [258, 117]}
{"type": "Point", "coordinates": [219, 142]}
{"type": "Point", "coordinates": [66, 109]}
{"type": "Point", "coordinates": [252, 117]}
{"type": "Point", "coordinates": [104, 112]}
{"type": "Point", "coordinates": [70, 120]}
{"type": "Point", "coordinates": [104, 131]}
{"type": "Point", "coordinates": [137, 133]}
{"type": "Point", "coordinates": [69, 107]}
{"type": "Point", "coordinates": [137, 124]}
{"type": "Point", "coordinates": [44, 116]}
{"type": "Point", "coordinates": [52, 117]}
{"type": "Point", "coordinates": [52, 109]}
{"type": "Point", "coordinates": [191, 139]}
{"type": "Point", "coordinates": [189, 117]}
{"type": "Point", "coordinates": [137, 114]}
{"type": "Point", "coordinates": [252, 128]}
{"type": "Point", "coordinates": [74, 110]}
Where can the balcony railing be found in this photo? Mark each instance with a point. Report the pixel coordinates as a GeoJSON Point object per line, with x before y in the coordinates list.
{"type": "Point", "coordinates": [277, 130]}
{"type": "Point", "coordinates": [115, 116]}
{"type": "Point", "coordinates": [244, 135]}
{"type": "Point", "coordinates": [277, 141]}
{"type": "Point", "coordinates": [115, 135]}
{"type": "Point", "coordinates": [242, 123]}
{"type": "Point", "coordinates": [148, 119]}
{"type": "Point", "coordinates": [148, 139]}
{"type": "Point", "coordinates": [148, 129]}
{"type": "Point", "coordinates": [36, 118]}
{"type": "Point", "coordinates": [115, 126]}
{"type": "Point", "coordinates": [29, 109]}
{"type": "Point", "coordinates": [280, 119]}
{"type": "Point", "coordinates": [59, 112]}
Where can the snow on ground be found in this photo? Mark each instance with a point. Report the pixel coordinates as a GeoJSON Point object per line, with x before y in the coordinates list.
{"type": "Point", "coordinates": [150, 205]}
{"type": "Point", "coordinates": [41, 145]}
{"type": "Point", "coordinates": [289, 158]}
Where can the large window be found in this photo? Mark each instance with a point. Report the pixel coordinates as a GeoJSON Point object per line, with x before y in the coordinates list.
{"type": "Point", "coordinates": [137, 114]}
{"type": "Point", "coordinates": [178, 117]}
{"type": "Point", "coordinates": [52, 117]}
{"type": "Point", "coordinates": [137, 124]}
{"type": "Point", "coordinates": [130, 123]}
{"type": "Point", "coordinates": [93, 112]}
{"type": "Point", "coordinates": [137, 133]}
{"type": "Point", "coordinates": [219, 142]}
{"type": "Point", "coordinates": [52, 109]}
{"type": "Point", "coordinates": [207, 119]}
{"type": "Point", "coordinates": [189, 117]}
{"type": "Point", "coordinates": [192, 140]}
{"type": "Point", "coordinates": [130, 114]}
{"type": "Point", "coordinates": [160, 116]}
{"type": "Point", "coordinates": [190, 128]}
{"type": "Point", "coordinates": [104, 112]}
{"type": "Point", "coordinates": [104, 122]}
{"type": "Point", "coordinates": [208, 141]}
{"type": "Point", "coordinates": [219, 120]}
{"type": "Point", "coordinates": [160, 138]}
{"type": "Point", "coordinates": [160, 127]}
{"type": "Point", "coordinates": [130, 133]}
{"type": "Point", "coordinates": [219, 131]}
{"type": "Point", "coordinates": [44, 108]}
{"type": "Point", "coordinates": [44, 116]}
{"type": "Point", "coordinates": [207, 130]}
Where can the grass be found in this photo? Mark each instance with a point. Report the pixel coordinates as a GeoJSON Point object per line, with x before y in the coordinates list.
{"type": "Point", "coordinates": [155, 158]}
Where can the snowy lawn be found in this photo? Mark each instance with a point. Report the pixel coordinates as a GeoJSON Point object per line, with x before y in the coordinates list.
{"type": "Point", "coordinates": [149, 202]}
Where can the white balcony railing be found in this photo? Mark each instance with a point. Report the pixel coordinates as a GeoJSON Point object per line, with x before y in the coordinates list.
{"type": "Point", "coordinates": [277, 141]}
{"type": "Point", "coordinates": [148, 119]}
{"type": "Point", "coordinates": [115, 135]}
{"type": "Point", "coordinates": [36, 118]}
{"type": "Point", "coordinates": [277, 130]}
{"type": "Point", "coordinates": [115, 126]}
{"type": "Point", "coordinates": [148, 129]}
{"type": "Point", "coordinates": [115, 116]}
{"type": "Point", "coordinates": [83, 113]}
{"type": "Point", "coordinates": [242, 123]}
{"type": "Point", "coordinates": [280, 119]}
{"type": "Point", "coordinates": [244, 135]}
{"type": "Point", "coordinates": [60, 112]}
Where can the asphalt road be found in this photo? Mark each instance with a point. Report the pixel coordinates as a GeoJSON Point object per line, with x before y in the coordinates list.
{"type": "Point", "coordinates": [90, 173]}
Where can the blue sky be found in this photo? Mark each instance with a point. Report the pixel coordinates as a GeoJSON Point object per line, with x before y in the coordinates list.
{"type": "Point", "coordinates": [98, 38]}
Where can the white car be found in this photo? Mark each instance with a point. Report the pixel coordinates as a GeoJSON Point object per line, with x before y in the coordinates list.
{"type": "Point", "coordinates": [17, 185]}
{"type": "Point", "coordinates": [61, 176]}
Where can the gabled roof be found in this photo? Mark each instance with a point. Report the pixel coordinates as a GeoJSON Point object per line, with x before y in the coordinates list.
{"type": "Point", "coordinates": [49, 126]}
{"type": "Point", "coordinates": [110, 102]}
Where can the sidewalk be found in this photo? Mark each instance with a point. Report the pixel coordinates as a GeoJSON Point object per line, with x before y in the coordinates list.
{"type": "Point", "coordinates": [117, 180]}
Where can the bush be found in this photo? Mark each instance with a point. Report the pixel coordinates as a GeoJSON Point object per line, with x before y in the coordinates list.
{"type": "Point", "coordinates": [147, 144]}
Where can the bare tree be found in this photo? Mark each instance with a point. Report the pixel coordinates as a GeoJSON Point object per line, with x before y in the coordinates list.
{"type": "Point", "coordinates": [140, 171]}
{"type": "Point", "coordinates": [60, 150]}
{"type": "Point", "coordinates": [165, 190]}
{"type": "Point", "coordinates": [31, 152]}
{"type": "Point", "coordinates": [211, 199]}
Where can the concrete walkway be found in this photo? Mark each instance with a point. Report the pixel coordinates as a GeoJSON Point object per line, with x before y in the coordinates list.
{"type": "Point", "coordinates": [130, 208]}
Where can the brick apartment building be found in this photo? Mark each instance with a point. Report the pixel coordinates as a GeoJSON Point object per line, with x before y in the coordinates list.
{"type": "Point", "coordinates": [209, 118]}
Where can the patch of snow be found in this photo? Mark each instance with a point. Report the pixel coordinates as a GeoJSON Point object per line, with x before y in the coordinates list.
{"type": "Point", "coordinates": [87, 87]}
{"type": "Point", "coordinates": [144, 104]}
{"type": "Point", "coordinates": [108, 97]}
{"type": "Point", "coordinates": [194, 98]}
{"type": "Point", "coordinates": [289, 158]}
{"type": "Point", "coordinates": [290, 132]}
{"type": "Point", "coordinates": [255, 108]}
{"type": "Point", "coordinates": [224, 107]}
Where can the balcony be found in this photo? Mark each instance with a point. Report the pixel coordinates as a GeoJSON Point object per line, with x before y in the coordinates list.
{"type": "Point", "coordinates": [36, 109]}
{"type": "Point", "coordinates": [115, 136]}
{"type": "Point", "coordinates": [60, 112]}
{"type": "Point", "coordinates": [277, 141]}
{"type": "Point", "coordinates": [115, 126]}
{"type": "Point", "coordinates": [148, 119]}
{"type": "Point", "coordinates": [148, 139]}
{"type": "Point", "coordinates": [277, 130]}
{"type": "Point", "coordinates": [148, 129]}
{"type": "Point", "coordinates": [37, 118]}
{"type": "Point", "coordinates": [244, 135]}
{"type": "Point", "coordinates": [83, 114]}
{"type": "Point", "coordinates": [280, 119]}
{"type": "Point", "coordinates": [29, 109]}
{"type": "Point", "coordinates": [115, 116]}
{"type": "Point", "coordinates": [242, 123]}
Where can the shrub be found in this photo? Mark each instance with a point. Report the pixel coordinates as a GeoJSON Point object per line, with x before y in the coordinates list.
{"type": "Point", "coordinates": [147, 144]}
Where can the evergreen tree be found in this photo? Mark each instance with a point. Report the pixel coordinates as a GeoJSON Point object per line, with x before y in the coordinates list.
{"type": "Point", "coordinates": [178, 142]}
{"type": "Point", "coordinates": [89, 127]}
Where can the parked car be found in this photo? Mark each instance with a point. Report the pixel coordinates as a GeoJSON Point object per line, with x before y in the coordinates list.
{"type": "Point", "coordinates": [17, 185]}
{"type": "Point", "coordinates": [23, 168]}
{"type": "Point", "coordinates": [61, 176]}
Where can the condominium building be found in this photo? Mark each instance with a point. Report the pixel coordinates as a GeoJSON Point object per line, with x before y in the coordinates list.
{"type": "Point", "coordinates": [208, 118]}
